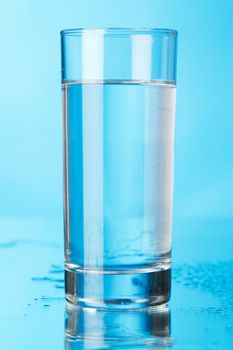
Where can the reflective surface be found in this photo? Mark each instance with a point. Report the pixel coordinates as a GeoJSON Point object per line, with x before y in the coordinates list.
{"type": "Point", "coordinates": [33, 313]}
{"type": "Point", "coordinates": [104, 329]}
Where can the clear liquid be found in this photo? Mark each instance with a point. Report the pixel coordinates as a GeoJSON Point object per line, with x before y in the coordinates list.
{"type": "Point", "coordinates": [118, 176]}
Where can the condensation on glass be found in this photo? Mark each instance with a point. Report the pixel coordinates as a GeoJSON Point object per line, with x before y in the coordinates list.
{"type": "Point", "coordinates": [119, 92]}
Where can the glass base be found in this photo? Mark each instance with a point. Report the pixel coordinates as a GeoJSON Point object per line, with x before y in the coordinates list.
{"type": "Point", "coordinates": [126, 290]}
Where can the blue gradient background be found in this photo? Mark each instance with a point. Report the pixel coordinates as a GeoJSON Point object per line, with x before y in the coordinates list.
{"type": "Point", "coordinates": [30, 99]}
{"type": "Point", "coordinates": [31, 243]}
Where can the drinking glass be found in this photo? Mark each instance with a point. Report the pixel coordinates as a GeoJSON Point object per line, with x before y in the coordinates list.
{"type": "Point", "coordinates": [119, 91]}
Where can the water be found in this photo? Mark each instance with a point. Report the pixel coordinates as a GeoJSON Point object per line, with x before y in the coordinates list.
{"type": "Point", "coordinates": [118, 191]}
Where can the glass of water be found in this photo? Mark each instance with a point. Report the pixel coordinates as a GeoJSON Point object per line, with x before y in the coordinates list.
{"type": "Point", "coordinates": [119, 91]}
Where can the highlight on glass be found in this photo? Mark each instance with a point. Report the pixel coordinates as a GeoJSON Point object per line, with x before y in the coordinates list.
{"type": "Point", "coordinates": [119, 93]}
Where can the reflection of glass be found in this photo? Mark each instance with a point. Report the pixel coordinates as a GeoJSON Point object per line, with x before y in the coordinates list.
{"type": "Point", "coordinates": [104, 329]}
{"type": "Point", "coordinates": [119, 92]}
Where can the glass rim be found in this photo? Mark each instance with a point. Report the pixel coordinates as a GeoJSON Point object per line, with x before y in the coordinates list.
{"type": "Point", "coordinates": [121, 31]}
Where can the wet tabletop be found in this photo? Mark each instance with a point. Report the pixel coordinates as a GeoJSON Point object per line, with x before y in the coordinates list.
{"type": "Point", "coordinates": [33, 313]}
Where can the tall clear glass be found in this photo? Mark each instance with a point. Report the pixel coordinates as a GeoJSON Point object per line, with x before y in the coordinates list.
{"type": "Point", "coordinates": [119, 88]}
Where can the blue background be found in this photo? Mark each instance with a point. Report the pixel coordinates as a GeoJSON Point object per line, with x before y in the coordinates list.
{"type": "Point", "coordinates": [31, 249]}
{"type": "Point", "coordinates": [31, 127]}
